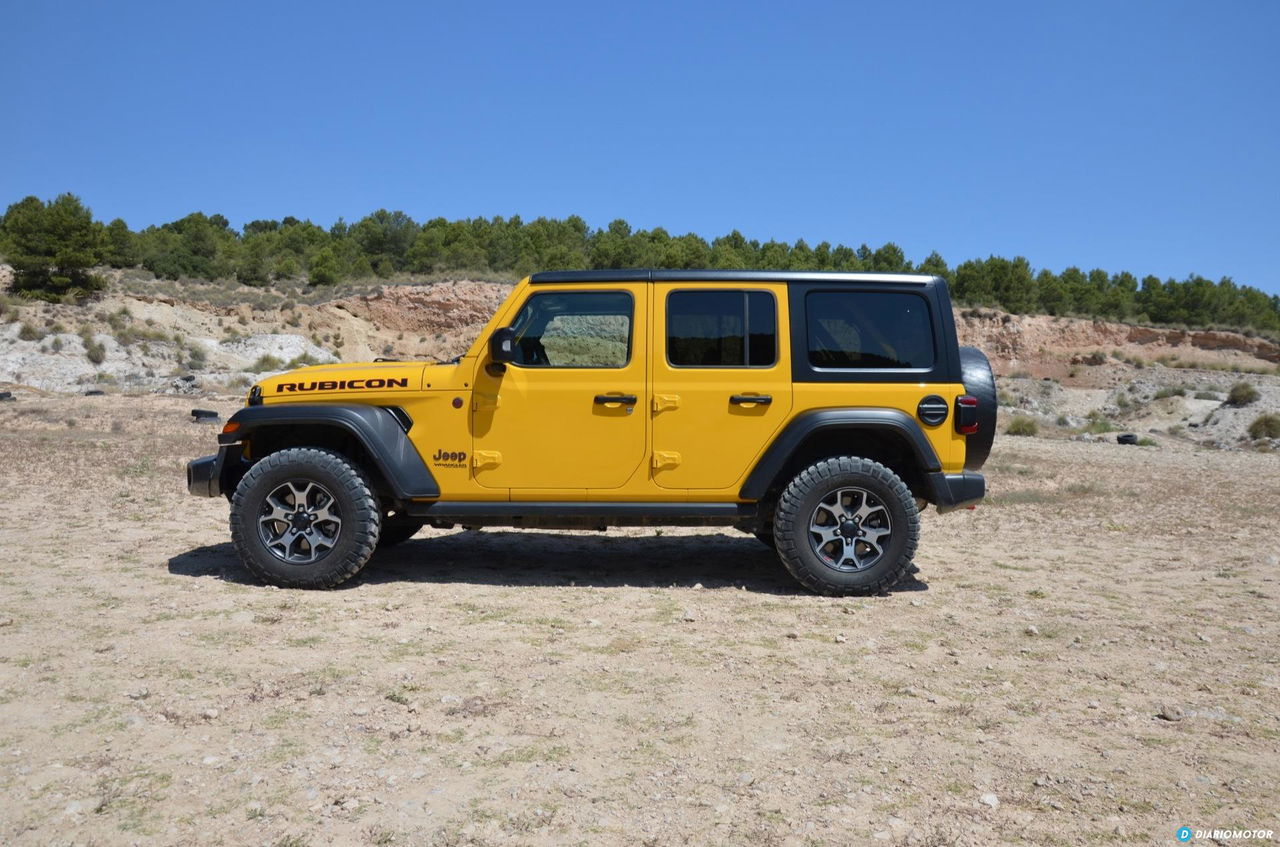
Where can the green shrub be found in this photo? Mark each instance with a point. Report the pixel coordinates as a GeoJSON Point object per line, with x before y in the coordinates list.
{"type": "Point", "coordinates": [1022, 425]}
{"type": "Point", "coordinates": [1147, 442]}
{"type": "Point", "coordinates": [266, 362]}
{"type": "Point", "coordinates": [1177, 391]}
{"type": "Point", "coordinates": [1241, 394]}
{"type": "Point", "coordinates": [95, 352]}
{"type": "Point", "coordinates": [1063, 421]}
{"type": "Point", "coordinates": [27, 332]}
{"type": "Point", "coordinates": [1206, 395]}
{"type": "Point", "coordinates": [1098, 424]}
{"type": "Point", "coordinates": [1265, 426]}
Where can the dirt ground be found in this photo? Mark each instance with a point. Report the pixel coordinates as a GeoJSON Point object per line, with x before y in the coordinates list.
{"type": "Point", "coordinates": [1089, 657]}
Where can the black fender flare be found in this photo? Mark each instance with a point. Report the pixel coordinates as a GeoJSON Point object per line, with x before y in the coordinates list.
{"type": "Point", "coordinates": [894, 421]}
{"type": "Point", "coordinates": [378, 430]}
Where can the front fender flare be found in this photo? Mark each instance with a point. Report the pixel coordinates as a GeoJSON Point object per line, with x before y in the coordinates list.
{"type": "Point", "coordinates": [374, 427]}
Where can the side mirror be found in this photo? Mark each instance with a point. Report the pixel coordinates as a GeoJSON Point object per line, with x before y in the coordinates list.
{"type": "Point", "coordinates": [502, 345]}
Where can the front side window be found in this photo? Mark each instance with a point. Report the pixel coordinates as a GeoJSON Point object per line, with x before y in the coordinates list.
{"type": "Point", "coordinates": [722, 329]}
{"type": "Point", "coordinates": [868, 329]}
{"type": "Point", "coordinates": [574, 329]}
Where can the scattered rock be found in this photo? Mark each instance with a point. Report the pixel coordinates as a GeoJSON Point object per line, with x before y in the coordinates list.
{"type": "Point", "coordinates": [209, 714]}
{"type": "Point", "coordinates": [6, 621]}
{"type": "Point", "coordinates": [360, 711]}
{"type": "Point", "coordinates": [210, 761]}
{"type": "Point", "coordinates": [840, 638]}
{"type": "Point", "coordinates": [140, 694]}
{"type": "Point", "coordinates": [793, 635]}
{"type": "Point", "coordinates": [688, 616]}
{"type": "Point", "coordinates": [989, 800]}
{"type": "Point", "coordinates": [1032, 630]}
{"type": "Point", "coordinates": [1170, 712]}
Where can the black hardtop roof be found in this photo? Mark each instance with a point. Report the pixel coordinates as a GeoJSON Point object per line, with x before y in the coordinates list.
{"type": "Point", "coordinates": [665, 275]}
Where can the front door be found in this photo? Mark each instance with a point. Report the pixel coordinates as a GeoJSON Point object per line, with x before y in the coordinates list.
{"type": "Point", "coordinates": [721, 380]}
{"type": "Point", "coordinates": [568, 412]}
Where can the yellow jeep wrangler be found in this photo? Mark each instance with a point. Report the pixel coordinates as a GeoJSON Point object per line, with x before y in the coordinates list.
{"type": "Point", "coordinates": [819, 411]}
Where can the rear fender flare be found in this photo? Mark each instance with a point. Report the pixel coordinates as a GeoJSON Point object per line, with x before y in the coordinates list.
{"type": "Point", "coordinates": [892, 421]}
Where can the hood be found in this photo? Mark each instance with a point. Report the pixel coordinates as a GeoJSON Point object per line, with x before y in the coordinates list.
{"type": "Point", "coordinates": [347, 378]}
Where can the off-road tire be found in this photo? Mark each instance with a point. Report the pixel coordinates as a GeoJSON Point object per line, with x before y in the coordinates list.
{"type": "Point", "coordinates": [796, 508]}
{"type": "Point", "coordinates": [397, 532]}
{"type": "Point", "coordinates": [356, 537]}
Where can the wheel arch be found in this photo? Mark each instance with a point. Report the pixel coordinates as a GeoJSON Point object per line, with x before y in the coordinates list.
{"type": "Point", "coordinates": [373, 437]}
{"type": "Point", "coordinates": [888, 436]}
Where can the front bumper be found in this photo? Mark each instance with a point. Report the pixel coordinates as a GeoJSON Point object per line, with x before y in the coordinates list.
{"type": "Point", "coordinates": [953, 491]}
{"type": "Point", "coordinates": [204, 475]}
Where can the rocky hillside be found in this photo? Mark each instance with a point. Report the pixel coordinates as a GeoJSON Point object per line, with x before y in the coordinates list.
{"type": "Point", "coordinates": [150, 336]}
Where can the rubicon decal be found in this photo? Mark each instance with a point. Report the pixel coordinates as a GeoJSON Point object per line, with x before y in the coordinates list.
{"type": "Point", "coordinates": [344, 384]}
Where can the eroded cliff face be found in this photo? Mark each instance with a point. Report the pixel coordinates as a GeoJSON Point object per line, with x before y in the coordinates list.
{"type": "Point", "coordinates": [1026, 340]}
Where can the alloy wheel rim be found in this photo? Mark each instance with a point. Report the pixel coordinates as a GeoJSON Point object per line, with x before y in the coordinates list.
{"type": "Point", "coordinates": [849, 529]}
{"type": "Point", "coordinates": [299, 522]}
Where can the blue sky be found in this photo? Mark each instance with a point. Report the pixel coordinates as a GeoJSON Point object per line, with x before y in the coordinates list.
{"type": "Point", "coordinates": [1135, 136]}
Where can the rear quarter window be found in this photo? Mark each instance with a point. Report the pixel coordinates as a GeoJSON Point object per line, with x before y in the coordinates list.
{"type": "Point", "coordinates": [868, 330]}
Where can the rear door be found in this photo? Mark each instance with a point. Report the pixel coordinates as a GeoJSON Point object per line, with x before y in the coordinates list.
{"type": "Point", "coordinates": [721, 380]}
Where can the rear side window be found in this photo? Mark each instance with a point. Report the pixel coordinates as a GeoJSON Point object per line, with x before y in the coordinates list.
{"type": "Point", "coordinates": [722, 329]}
{"type": "Point", "coordinates": [868, 329]}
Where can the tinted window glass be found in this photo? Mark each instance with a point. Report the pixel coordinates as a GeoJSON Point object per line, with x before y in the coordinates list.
{"type": "Point", "coordinates": [574, 330]}
{"type": "Point", "coordinates": [868, 329]}
{"type": "Point", "coordinates": [721, 329]}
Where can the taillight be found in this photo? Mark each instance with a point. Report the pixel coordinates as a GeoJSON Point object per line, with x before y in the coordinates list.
{"type": "Point", "coordinates": [966, 414]}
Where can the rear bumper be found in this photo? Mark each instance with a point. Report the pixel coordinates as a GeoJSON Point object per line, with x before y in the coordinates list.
{"type": "Point", "coordinates": [204, 475]}
{"type": "Point", "coordinates": [953, 491]}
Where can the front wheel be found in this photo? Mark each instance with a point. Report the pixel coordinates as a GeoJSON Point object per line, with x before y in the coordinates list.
{"type": "Point", "coordinates": [847, 525]}
{"type": "Point", "coordinates": [305, 518]}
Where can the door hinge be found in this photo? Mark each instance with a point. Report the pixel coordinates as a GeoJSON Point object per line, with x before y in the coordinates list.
{"type": "Point", "coordinates": [662, 402]}
{"type": "Point", "coordinates": [486, 459]}
{"type": "Point", "coordinates": [485, 401]}
{"type": "Point", "coordinates": [665, 459]}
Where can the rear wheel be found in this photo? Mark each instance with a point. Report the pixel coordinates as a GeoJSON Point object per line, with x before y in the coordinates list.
{"type": "Point", "coordinates": [304, 518]}
{"type": "Point", "coordinates": [847, 525]}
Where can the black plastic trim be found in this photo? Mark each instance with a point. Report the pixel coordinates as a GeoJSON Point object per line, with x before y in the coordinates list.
{"type": "Point", "coordinates": [461, 509]}
{"type": "Point", "coordinates": [376, 428]}
{"type": "Point", "coordinates": [957, 490]}
{"type": "Point", "coordinates": [655, 275]}
{"type": "Point", "coordinates": [853, 420]}
{"type": "Point", "coordinates": [204, 475]}
{"type": "Point", "coordinates": [933, 410]}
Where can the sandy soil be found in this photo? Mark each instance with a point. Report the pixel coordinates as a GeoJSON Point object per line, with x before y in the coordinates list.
{"type": "Point", "coordinates": [1089, 657]}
